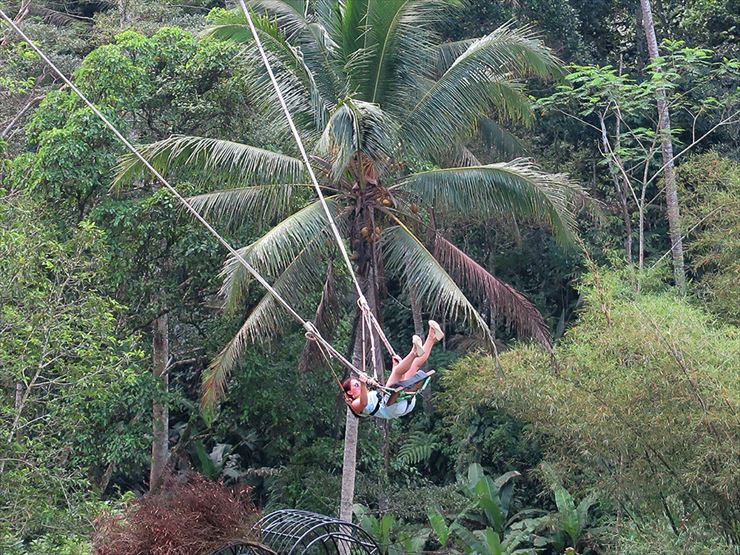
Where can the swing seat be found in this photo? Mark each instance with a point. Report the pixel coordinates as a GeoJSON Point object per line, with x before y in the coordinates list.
{"type": "Point", "coordinates": [408, 388]}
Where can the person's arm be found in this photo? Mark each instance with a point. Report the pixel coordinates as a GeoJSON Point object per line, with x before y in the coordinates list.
{"type": "Point", "coordinates": [359, 404]}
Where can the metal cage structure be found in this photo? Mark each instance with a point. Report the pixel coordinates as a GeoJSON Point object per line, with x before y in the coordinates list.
{"type": "Point", "coordinates": [294, 532]}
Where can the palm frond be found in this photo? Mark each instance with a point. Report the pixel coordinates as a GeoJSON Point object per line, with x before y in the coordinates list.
{"type": "Point", "coordinates": [296, 93]}
{"type": "Point", "coordinates": [502, 141]}
{"type": "Point", "coordinates": [463, 156]}
{"type": "Point", "coordinates": [448, 52]}
{"type": "Point", "coordinates": [54, 17]}
{"type": "Point", "coordinates": [227, 159]}
{"type": "Point", "coordinates": [304, 29]}
{"type": "Point", "coordinates": [301, 69]}
{"type": "Point", "coordinates": [482, 79]}
{"type": "Point", "coordinates": [297, 283]}
{"type": "Point", "coordinates": [406, 257]}
{"type": "Point", "coordinates": [259, 204]}
{"type": "Point", "coordinates": [272, 253]}
{"type": "Point", "coordinates": [509, 49]}
{"type": "Point", "coordinates": [507, 302]}
{"type": "Point", "coordinates": [513, 187]}
{"type": "Point", "coordinates": [352, 18]}
{"type": "Point", "coordinates": [357, 126]}
{"type": "Point", "coordinates": [340, 139]}
{"type": "Point", "coordinates": [401, 35]}
{"type": "Point", "coordinates": [292, 16]}
{"type": "Point", "coordinates": [325, 320]}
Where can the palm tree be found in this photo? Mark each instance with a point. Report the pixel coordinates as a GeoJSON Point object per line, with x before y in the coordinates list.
{"type": "Point", "coordinates": [386, 108]}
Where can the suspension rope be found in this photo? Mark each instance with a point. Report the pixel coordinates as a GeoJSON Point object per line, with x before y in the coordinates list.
{"type": "Point", "coordinates": [363, 324]}
{"type": "Point", "coordinates": [362, 301]}
{"type": "Point", "coordinates": [304, 155]}
{"type": "Point", "coordinates": [372, 349]}
{"type": "Point", "coordinates": [383, 338]}
{"type": "Point", "coordinates": [311, 331]}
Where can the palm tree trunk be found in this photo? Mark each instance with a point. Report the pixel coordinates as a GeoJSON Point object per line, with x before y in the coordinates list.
{"type": "Point", "coordinates": [367, 274]}
{"type": "Point", "coordinates": [349, 460]}
{"type": "Point", "coordinates": [669, 174]}
{"type": "Point", "coordinates": [160, 412]}
{"type": "Point", "coordinates": [349, 466]}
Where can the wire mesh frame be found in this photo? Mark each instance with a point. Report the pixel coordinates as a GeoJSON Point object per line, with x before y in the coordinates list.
{"type": "Point", "coordinates": [294, 532]}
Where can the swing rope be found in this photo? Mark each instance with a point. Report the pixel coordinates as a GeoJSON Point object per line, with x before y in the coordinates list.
{"type": "Point", "coordinates": [312, 332]}
{"type": "Point", "coordinates": [361, 300]}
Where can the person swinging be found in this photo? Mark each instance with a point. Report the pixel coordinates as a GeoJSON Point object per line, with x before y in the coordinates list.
{"type": "Point", "coordinates": [364, 403]}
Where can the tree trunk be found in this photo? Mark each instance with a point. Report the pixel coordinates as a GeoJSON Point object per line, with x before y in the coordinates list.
{"type": "Point", "coordinates": [349, 465]}
{"type": "Point", "coordinates": [616, 170]}
{"type": "Point", "coordinates": [669, 174]}
{"type": "Point", "coordinates": [349, 461]}
{"type": "Point", "coordinates": [367, 275]}
{"type": "Point", "coordinates": [160, 412]}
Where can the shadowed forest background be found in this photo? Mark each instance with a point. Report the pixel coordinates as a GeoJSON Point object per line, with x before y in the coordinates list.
{"type": "Point", "coordinates": [139, 366]}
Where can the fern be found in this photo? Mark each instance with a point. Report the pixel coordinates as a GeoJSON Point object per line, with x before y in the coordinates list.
{"type": "Point", "coordinates": [417, 448]}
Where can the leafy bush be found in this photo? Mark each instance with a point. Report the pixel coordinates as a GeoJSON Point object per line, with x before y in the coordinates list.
{"type": "Point", "coordinates": [710, 214]}
{"type": "Point", "coordinates": [56, 543]}
{"type": "Point", "coordinates": [642, 405]}
{"type": "Point", "coordinates": [656, 538]}
{"type": "Point", "coordinates": [71, 384]}
{"type": "Point", "coordinates": [189, 517]}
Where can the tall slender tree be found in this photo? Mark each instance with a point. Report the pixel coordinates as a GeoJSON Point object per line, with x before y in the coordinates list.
{"type": "Point", "coordinates": [669, 172]}
{"type": "Point", "coordinates": [386, 109]}
{"type": "Point", "coordinates": [160, 410]}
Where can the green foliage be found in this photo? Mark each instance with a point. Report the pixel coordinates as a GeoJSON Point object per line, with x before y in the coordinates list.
{"type": "Point", "coordinates": [641, 406]}
{"type": "Point", "coordinates": [417, 447]}
{"type": "Point", "coordinates": [72, 417]}
{"type": "Point", "coordinates": [58, 544]}
{"type": "Point", "coordinates": [655, 537]}
{"type": "Point", "coordinates": [72, 161]}
{"type": "Point", "coordinates": [570, 525]}
{"type": "Point", "coordinates": [616, 107]}
{"type": "Point", "coordinates": [711, 217]}
{"type": "Point", "coordinates": [482, 527]}
{"type": "Point", "coordinates": [714, 23]}
{"type": "Point", "coordinates": [391, 536]}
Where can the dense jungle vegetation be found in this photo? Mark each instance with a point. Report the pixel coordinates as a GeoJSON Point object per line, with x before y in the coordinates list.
{"type": "Point", "coordinates": [557, 182]}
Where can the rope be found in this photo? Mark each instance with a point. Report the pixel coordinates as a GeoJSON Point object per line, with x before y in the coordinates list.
{"type": "Point", "coordinates": [307, 325]}
{"type": "Point", "coordinates": [363, 323]}
{"type": "Point", "coordinates": [304, 155]}
{"type": "Point", "coordinates": [372, 352]}
{"type": "Point", "coordinates": [362, 301]}
{"type": "Point", "coordinates": [383, 338]}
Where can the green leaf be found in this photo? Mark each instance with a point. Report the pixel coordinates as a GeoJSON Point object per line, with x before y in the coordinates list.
{"type": "Point", "coordinates": [477, 82]}
{"type": "Point", "coordinates": [406, 257]}
{"type": "Point", "coordinates": [505, 487]}
{"type": "Point", "coordinates": [567, 513]}
{"type": "Point", "coordinates": [260, 204]}
{"type": "Point", "coordinates": [227, 159]}
{"type": "Point", "coordinates": [439, 525]}
{"type": "Point", "coordinates": [493, 542]}
{"type": "Point", "coordinates": [516, 187]}
{"type": "Point", "coordinates": [583, 508]}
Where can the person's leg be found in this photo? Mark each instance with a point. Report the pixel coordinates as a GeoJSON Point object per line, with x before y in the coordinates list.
{"type": "Point", "coordinates": [434, 335]}
{"type": "Point", "coordinates": [418, 362]}
{"type": "Point", "coordinates": [401, 368]}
